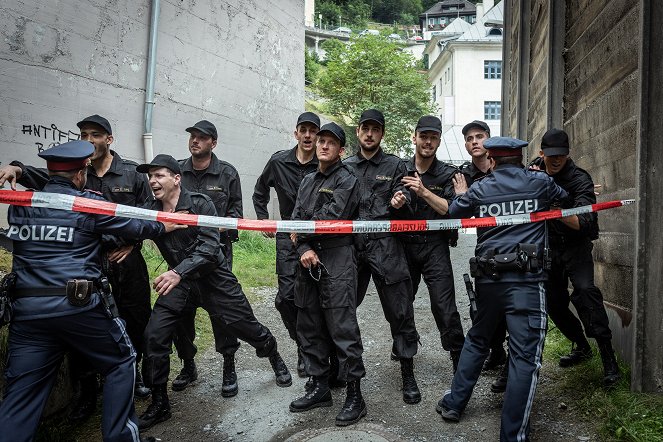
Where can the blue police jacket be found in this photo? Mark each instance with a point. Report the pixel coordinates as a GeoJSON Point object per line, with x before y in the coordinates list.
{"type": "Point", "coordinates": [509, 190]}
{"type": "Point", "coordinates": [53, 246]}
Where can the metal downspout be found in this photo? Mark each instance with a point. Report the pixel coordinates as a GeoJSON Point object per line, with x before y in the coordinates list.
{"type": "Point", "coordinates": [149, 86]}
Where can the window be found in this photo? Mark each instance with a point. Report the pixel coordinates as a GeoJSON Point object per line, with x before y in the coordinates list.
{"type": "Point", "coordinates": [433, 94]}
{"type": "Point", "coordinates": [492, 69]}
{"type": "Point", "coordinates": [492, 110]}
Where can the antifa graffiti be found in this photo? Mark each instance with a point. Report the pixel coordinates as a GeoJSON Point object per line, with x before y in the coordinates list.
{"type": "Point", "coordinates": [51, 135]}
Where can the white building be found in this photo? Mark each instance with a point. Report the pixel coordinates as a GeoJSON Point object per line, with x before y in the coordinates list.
{"type": "Point", "coordinates": [465, 71]}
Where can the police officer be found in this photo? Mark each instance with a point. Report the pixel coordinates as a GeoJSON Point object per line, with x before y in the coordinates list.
{"type": "Point", "coordinates": [57, 304]}
{"type": "Point", "coordinates": [509, 277]}
{"type": "Point", "coordinates": [284, 172]}
{"type": "Point", "coordinates": [204, 173]}
{"type": "Point", "coordinates": [325, 291]}
{"type": "Point", "coordinates": [430, 181]}
{"type": "Point", "coordinates": [198, 274]}
{"type": "Point", "coordinates": [382, 255]}
{"type": "Point", "coordinates": [117, 180]}
{"type": "Point", "coordinates": [571, 245]}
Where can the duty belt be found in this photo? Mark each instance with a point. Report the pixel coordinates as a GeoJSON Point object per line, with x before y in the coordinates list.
{"type": "Point", "coordinates": [330, 243]}
{"type": "Point", "coordinates": [51, 291]}
{"type": "Point", "coordinates": [423, 238]}
{"type": "Point", "coordinates": [377, 235]}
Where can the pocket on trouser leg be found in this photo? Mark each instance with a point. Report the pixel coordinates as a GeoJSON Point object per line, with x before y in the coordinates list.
{"type": "Point", "coordinates": [537, 334]}
{"type": "Point", "coordinates": [305, 290]}
{"type": "Point", "coordinates": [119, 334]}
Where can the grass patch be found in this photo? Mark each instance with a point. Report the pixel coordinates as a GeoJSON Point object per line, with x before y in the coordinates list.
{"type": "Point", "coordinates": [619, 413]}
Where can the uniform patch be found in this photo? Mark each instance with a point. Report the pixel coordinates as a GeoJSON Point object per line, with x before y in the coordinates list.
{"type": "Point", "coordinates": [325, 190]}
{"type": "Point", "coordinates": [383, 178]}
{"type": "Point", "coordinates": [41, 233]}
{"type": "Point", "coordinates": [121, 189]}
{"type": "Point", "coordinates": [518, 207]}
{"type": "Point", "coordinates": [214, 188]}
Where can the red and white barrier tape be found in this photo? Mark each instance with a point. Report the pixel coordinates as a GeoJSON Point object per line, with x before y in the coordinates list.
{"type": "Point", "coordinates": [78, 204]}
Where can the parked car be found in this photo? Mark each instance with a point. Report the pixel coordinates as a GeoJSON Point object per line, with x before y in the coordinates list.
{"type": "Point", "coordinates": [369, 32]}
{"type": "Point", "coordinates": [343, 30]}
{"type": "Point", "coordinates": [394, 37]}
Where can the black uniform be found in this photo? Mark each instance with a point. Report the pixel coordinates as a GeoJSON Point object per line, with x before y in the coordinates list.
{"type": "Point", "coordinates": [130, 280]}
{"type": "Point", "coordinates": [572, 260]}
{"type": "Point", "coordinates": [207, 282]}
{"type": "Point", "coordinates": [284, 173]}
{"type": "Point", "coordinates": [520, 296]}
{"type": "Point", "coordinates": [428, 255]}
{"type": "Point", "coordinates": [220, 181]}
{"type": "Point", "coordinates": [382, 255]}
{"type": "Point", "coordinates": [327, 317]}
{"type": "Point", "coordinates": [52, 247]}
{"type": "Point", "coordinates": [472, 173]}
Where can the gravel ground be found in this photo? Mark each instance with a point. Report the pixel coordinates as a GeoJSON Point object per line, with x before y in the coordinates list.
{"type": "Point", "coordinates": [260, 411]}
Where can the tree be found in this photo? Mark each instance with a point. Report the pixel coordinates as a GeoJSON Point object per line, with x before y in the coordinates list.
{"type": "Point", "coordinates": [311, 66]}
{"type": "Point", "coordinates": [373, 72]}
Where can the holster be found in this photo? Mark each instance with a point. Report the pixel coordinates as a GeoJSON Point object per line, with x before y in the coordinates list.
{"type": "Point", "coordinates": [79, 292]}
{"type": "Point", "coordinates": [6, 287]}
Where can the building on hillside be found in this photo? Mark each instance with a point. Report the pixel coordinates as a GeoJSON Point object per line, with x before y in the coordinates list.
{"type": "Point", "coordinates": [443, 13]}
{"type": "Point", "coordinates": [465, 72]}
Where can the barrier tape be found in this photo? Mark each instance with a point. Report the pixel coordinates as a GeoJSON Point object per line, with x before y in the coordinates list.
{"type": "Point", "coordinates": [86, 205]}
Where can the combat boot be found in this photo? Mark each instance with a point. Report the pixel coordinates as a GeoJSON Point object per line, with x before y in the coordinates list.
{"type": "Point", "coordinates": [334, 381]}
{"type": "Point", "coordinates": [188, 374]}
{"type": "Point", "coordinates": [140, 390]}
{"type": "Point", "coordinates": [283, 378]}
{"type": "Point", "coordinates": [611, 373]}
{"type": "Point", "coordinates": [354, 407]}
{"type": "Point", "coordinates": [496, 358]}
{"type": "Point", "coordinates": [159, 409]}
{"type": "Point", "coordinates": [229, 387]}
{"type": "Point", "coordinates": [411, 394]}
{"type": "Point", "coordinates": [86, 403]}
{"type": "Point", "coordinates": [579, 353]}
{"type": "Point", "coordinates": [301, 366]}
{"type": "Point", "coordinates": [455, 357]}
{"type": "Point", "coordinates": [318, 396]}
{"type": "Point", "coordinates": [499, 384]}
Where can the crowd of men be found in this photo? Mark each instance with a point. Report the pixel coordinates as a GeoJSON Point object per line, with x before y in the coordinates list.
{"type": "Point", "coordinates": [521, 272]}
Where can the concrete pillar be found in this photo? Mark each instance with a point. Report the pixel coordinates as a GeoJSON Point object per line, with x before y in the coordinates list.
{"type": "Point", "coordinates": [647, 369]}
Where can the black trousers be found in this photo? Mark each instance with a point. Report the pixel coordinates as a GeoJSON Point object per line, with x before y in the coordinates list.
{"type": "Point", "coordinates": [327, 317]}
{"type": "Point", "coordinates": [384, 260]}
{"type": "Point", "coordinates": [433, 262]}
{"type": "Point", "coordinates": [574, 262]}
{"type": "Point", "coordinates": [287, 262]}
{"type": "Point", "coordinates": [221, 296]}
{"type": "Point", "coordinates": [225, 343]}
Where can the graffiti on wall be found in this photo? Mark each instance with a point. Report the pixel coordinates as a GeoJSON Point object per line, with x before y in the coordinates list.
{"type": "Point", "coordinates": [49, 135]}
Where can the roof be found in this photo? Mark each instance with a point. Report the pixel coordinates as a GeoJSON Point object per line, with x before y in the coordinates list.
{"type": "Point", "coordinates": [479, 31]}
{"type": "Point", "coordinates": [438, 9]}
{"type": "Point", "coordinates": [457, 26]}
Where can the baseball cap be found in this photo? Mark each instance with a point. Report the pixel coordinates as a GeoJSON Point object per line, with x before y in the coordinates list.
{"type": "Point", "coordinates": [429, 123]}
{"type": "Point", "coordinates": [72, 155]}
{"type": "Point", "coordinates": [205, 127]}
{"type": "Point", "coordinates": [161, 160]}
{"type": "Point", "coordinates": [555, 142]}
{"type": "Point", "coordinates": [335, 130]}
{"type": "Point", "coordinates": [372, 115]}
{"type": "Point", "coordinates": [99, 121]}
{"type": "Point", "coordinates": [476, 124]}
{"type": "Point", "coordinates": [308, 117]}
{"type": "Point", "coordinates": [504, 146]}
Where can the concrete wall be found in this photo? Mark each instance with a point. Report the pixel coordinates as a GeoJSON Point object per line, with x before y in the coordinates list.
{"type": "Point", "coordinates": [236, 63]}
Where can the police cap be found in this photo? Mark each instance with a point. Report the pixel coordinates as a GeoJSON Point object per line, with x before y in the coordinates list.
{"type": "Point", "coordinates": [372, 115]}
{"type": "Point", "coordinates": [429, 123]}
{"type": "Point", "coordinates": [72, 155]}
{"type": "Point", "coordinates": [98, 120]}
{"type": "Point", "coordinates": [308, 117]}
{"type": "Point", "coordinates": [335, 130]}
{"type": "Point", "coordinates": [555, 142]}
{"type": "Point", "coordinates": [504, 146]}
{"type": "Point", "coordinates": [205, 127]}
{"type": "Point", "coordinates": [476, 124]}
{"type": "Point", "coordinates": [161, 160]}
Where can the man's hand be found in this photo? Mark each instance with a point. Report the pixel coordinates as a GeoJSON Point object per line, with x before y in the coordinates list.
{"type": "Point", "coordinates": [169, 226]}
{"type": "Point", "coordinates": [414, 184]}
{"type": "Point", "coordinates": [293, 238]}
{"type": "Point", "coordinates": [309, 259]}
{"type": "Point", "coordinates": [534, 167]}
{"type": "Point", "coordinates": [398, 200]}
{"type": "Point", "coordinates": [269, 234]}
{"type": "Point", "coordinates": [597, 187]}
{"type": "Point", "coordinates": [11, 174]}
{"type": "Point", "coordinates": [460, 183]}
{"type": "Point", "coordinates": [165, 282]}
{"type": "Point", "coordinates": [118, 255]}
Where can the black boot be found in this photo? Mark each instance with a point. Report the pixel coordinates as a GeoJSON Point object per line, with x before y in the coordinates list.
{"type": "Point", "coordinates": [499, 384]}
{"type": "Point", "coordinates": [318, 396]}
{"type": "Point", "coordinates": [334, 381]}
{"type": "Point", "coordinates": [229, 386]}
{"type": "Point", "coordinates": [283, 378]}
{"type": "Point", "coordinates": [611, 373]}
{"type": "Point", "coordinates": [301, 367]}
{"type": "Point", "coordinates": [140, 390]}
{"type": "Point", "coordinates": [188, 374]}
{"type": "Point", "coordinates": [411, 394]}
{"type": "Point", "coordinates": [354, 407]}
{"type": "Point", "coordinates": [86, 404]}
{"type": "Point", "coordinates": [159, 409]}
{"type": "Point", "coordinates": [579, 353]}
{"type": "Point", "coordinates": [455, 357]}
{"type": "Point", "coordinates": [496, 358]}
